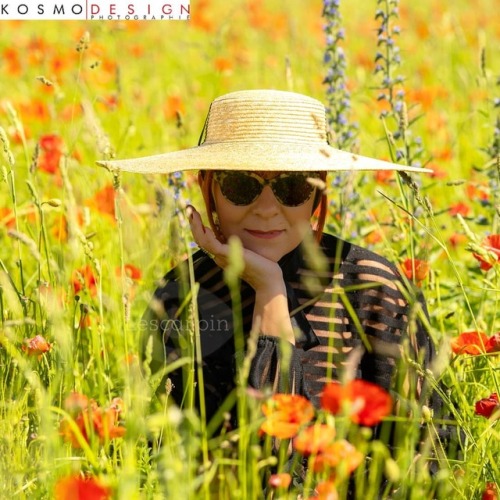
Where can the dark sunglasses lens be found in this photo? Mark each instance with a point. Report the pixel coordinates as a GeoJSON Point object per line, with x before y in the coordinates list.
{"type": "Point", "coordinates": [292, 190]}
{"type": "Point", "coordinates": [240, 188]}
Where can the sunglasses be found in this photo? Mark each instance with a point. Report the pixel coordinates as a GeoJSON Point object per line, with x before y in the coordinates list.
{"type": "Point", "coordinates": [243, 188]}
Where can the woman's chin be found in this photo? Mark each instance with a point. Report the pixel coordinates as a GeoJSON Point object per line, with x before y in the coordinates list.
{"type": "Point", "coordinates": [268, 253]}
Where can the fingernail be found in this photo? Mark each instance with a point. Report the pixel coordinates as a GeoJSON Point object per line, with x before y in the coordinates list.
{"type": "Point", "coordinates": [189, 212]}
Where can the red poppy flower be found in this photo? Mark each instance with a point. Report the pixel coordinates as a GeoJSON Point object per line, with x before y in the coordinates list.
{"type": "Point", "coordinates": [492, 245]}
{"type": "Point", "coordinates": [51, 151]}
{"type": "Point", "coordinates": [104, 201]}
{"type": "Point", "coordinates": [81, 488]}
{"type": "Point", "coordinates": [58, 64]}
{"type": "Point", "coordinates": [475, 191]}
{"type": "Point", "coordinates": [437, 172]}
{"type": "Point", "coordinates": [442, 154]}
{"type": "Point", "coordinates": [493, 343]}
{"type": "Point", "coordinates": [110, 102]}
{"type": "Point", "coordinates": [106, 420]}
{"type": "Point", "coordinates": [426, 96]}
{"type": "Point", "coordinates": [76, 403]}
{"type": "Point", "coordinates": [91, 419]}
{"type": "Point", "coordinates": [203, 21]}
{"type": "Point", "coordinates": [490, 492]}
{"type": "Point", "coordinates": [416, 270]}
{"type": "Point", "coordinates": [37, 346]}
{"type": "Point", "coordinates": [282, 480]}
{"type": "Point", "coordinates": [285, 415]}
{"type": "Point", "coordinates": [326, 491]}
{"type": "Point", "coordinates": [7, 218]}
{"type": "Point", "coordinates": [132, 359]}
{"type": "Point", "coordinates": [339, 454]}
{"type": "Point", "coordinates": [35, 109]}
{"type": "Point", "coordinates": [487, 406]}
{"type": "Point", "coordinates": [173, 107]}
{"type": "Point", "coordinates": [136, 50]}
{"type": "Point", "coordinates": [84, 278]}
{"type": "Point", "coordinates": [459, 208]}
{"type": "Point", "coordinates": [82, 411]}
{"type": "Point", "coordinates": [38, 48]}
{"type": "Point", "coordinates": [223, 65]}
{"type": "Point", "coordinates": [384, 176]}
{"type": "Point", "coordinates": [457, 239]}
{"type": "Point", "coordinates": [86, 319]}
{"type": "Point", "coordinates": [131, 271]}
{"type": "Point", "coordinates": [108, 65]}
{"type": "Point", "coordinates": [12, 60]}
{"type": "Point", "coordinates": [314, 439]}
{"type": "Point", "coordinates": [374, 237]}
{"type": "Point", "coordinates": [365, 403]}
{"type": "Point", "coordinates": [470, 343]}
{"type": "Point", "coordinates": [60, 229]}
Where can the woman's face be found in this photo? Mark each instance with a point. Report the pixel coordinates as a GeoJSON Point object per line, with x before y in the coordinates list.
{"type": "Point", "coordinates": [265, 227]}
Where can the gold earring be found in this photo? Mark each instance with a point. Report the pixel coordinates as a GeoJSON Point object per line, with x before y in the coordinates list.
{"type": "Point", "coordinates": [218, 232]}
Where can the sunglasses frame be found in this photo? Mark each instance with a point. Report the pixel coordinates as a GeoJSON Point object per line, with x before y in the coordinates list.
{"type": "Point", "coordinates": [220, 175]}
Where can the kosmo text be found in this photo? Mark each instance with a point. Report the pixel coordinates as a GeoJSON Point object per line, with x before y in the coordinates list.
{"type": "Point", "coordinates": [97, 10]}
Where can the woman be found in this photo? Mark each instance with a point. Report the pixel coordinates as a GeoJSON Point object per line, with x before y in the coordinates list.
{"type": "Point", "coordinates": [321, 308]}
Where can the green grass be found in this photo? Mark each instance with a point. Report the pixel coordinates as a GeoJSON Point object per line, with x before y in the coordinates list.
{"type": "Point", "coordinates": [118, 95]}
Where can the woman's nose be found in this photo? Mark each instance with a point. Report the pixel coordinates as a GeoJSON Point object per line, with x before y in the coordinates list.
{"type": "Point", "coordinates": [266, 204]}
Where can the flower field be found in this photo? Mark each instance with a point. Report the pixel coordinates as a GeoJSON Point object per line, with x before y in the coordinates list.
{"type": "Point", "coordinates": [82, 248]}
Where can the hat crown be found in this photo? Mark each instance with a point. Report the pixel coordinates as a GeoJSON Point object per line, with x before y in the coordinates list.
{"type": "Point", "coordinates": [266, 116]}
{"type": "Point", "coordinates": [261, 130]}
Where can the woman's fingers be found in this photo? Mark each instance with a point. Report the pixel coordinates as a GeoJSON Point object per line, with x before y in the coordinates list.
{"type": "Point", "coordinates": [204, 236]}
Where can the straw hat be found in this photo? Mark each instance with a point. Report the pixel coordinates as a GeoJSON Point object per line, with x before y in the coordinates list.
{"type": "Point", "coordinates": [262, 130]}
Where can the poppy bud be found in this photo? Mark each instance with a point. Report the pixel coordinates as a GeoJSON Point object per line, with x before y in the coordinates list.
{"type": "Point", "coordinates": [426, 414]}
{"type": "Point", "coordinates": [54, 202]}
{"type": "Point", "coordinates": [392, 470]}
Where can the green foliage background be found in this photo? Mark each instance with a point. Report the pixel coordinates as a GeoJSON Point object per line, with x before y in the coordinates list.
{"type": "Point", "coordinates": [129, 89]}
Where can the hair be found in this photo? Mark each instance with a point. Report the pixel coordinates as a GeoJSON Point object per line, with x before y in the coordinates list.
{"type": "Point", "coordinates": [205, 180]}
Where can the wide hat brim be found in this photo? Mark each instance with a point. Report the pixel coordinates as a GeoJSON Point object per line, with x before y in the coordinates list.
{"type": "Point", "coordinates": [255, 157]}
{"type": "Point", "coordinates": [260, 130]}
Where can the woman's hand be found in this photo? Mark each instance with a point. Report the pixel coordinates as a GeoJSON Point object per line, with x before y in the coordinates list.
{"type": "Point", "coordinates": [271, 313]}
{"type": "Point", "coordinates": [262, 274]}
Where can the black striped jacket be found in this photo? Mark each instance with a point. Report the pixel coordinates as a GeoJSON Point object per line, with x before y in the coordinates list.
{"type": "Point", "coordinates": [354, 315]}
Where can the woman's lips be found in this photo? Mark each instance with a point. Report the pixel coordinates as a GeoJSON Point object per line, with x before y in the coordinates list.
{"type": "Point", "coordinates": [265, 235]}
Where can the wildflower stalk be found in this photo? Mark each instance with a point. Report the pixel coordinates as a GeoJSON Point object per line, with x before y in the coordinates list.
{"type": "Point", "coordinates": [43, 238]}
{"type": "Point", "coordinates": [97, 335]}
{"type": "Point", "coordinates": [199, 371]}
{"type": "Point", "coordinates": [119, 223]}
{"type": "Point", "coordinates": [18, 126]}
{"type": "Point", "coordinates": [232, 274]}
{"type": "Point", "coordinates": [8, 176]}
{"type": "Point", "coordinates": [492, 171]}
{"type": "Point", "coordinates": [342, 133]}
{"type": "Point", "coordinates": [492, 150]}
{"type": "Point", "coordinates": [403, 146]}
{"type": "Point", "coordinates": [70, 208]}
{"type": "Point", "coordinates": [82, 47]}
{"type": "Point", "coordinates": [338, 97]}
{"type": "Point", "coordinates": [177, 185]}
